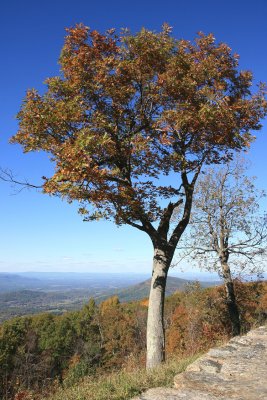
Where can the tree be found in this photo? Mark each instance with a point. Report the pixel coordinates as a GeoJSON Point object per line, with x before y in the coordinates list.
{"type": "Point", "coordinates": [129, 110]}
{"type": "Point", "coordinates": [227, 233]}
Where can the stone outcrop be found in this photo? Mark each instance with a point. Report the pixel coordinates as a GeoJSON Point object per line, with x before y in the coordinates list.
{"type": "Point", "coordinates": [237, 370]}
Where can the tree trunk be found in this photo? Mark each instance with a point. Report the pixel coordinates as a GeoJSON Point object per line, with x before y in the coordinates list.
{"type": "Point", "coordinates": [231, 300]}
{"type": "Point", "coordinates": [155, 323]}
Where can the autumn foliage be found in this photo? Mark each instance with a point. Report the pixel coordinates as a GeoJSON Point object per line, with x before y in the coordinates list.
{"type": "Point", "coordinates": [38, 353]}
{"type": "Point", "coordinates": [128, 108]}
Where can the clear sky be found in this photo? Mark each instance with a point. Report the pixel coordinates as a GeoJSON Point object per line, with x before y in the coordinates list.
{"type": "Point", "coordinates": [42, 233]}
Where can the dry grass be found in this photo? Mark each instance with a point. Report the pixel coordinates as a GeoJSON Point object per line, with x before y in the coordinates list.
{"type": "Point", "coordinates": [122, 385]}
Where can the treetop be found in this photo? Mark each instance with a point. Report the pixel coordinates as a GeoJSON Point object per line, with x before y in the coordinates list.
{"type": "Point", "coordinates": [130, 108]}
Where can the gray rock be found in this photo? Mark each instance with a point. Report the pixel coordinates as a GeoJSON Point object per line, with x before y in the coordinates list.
{"type": "Point", "coordinates": [205, 364]}
{"type": "Point", "coordinates": [236, 371]}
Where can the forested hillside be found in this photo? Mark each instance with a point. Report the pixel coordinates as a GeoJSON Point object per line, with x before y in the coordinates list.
{"type": "Point", "coordinates": [42, 352]}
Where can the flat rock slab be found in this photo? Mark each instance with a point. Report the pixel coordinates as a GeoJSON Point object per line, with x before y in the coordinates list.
{"type": "Point", "coordinates": [237, 371]}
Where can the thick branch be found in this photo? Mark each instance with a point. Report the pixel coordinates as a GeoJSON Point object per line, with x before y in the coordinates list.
{"type": "Point", "coordinates": [164, 225]}
{"type": "Point", "coordinates": [213, 235]}
{"type": "Point", "coordinates": [188, 188]}
{"type": "Point", "coordinates": [140, 227]}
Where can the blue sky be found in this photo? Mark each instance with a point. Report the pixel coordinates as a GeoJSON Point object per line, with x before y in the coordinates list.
{"type": "Point", "coordinates": [42, 233]}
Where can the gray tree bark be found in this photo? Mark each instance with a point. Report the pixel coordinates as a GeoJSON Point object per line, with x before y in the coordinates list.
{"type": "Point", "coordinates": [231, 300]}
{"type": "Point", "coordinates": [155, 322]}
{"type": "Point", "coordinates": [163, 254]}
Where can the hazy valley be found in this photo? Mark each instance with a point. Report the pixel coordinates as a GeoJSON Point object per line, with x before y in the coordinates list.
{"type": "Point", "coordinates": [30, 293]}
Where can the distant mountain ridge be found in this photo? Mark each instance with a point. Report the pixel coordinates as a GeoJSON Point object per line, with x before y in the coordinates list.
{"type": "Point", "coordinates": [141, 290]}
{"type": "Point", "coordinates": [13, 282]}
{"type": "Point", "coordinates": [57, 281]}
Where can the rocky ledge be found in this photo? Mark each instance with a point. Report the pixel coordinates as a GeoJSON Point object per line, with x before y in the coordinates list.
{"type": "Point", "coordinates": [237, 370]}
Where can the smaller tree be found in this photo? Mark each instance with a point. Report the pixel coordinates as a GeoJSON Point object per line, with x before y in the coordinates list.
{"type": "Point", "coordinates": [227, 233]}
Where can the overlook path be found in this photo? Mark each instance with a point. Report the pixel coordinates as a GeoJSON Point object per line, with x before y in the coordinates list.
{"type": "Point", "coordinates": [237, 370]}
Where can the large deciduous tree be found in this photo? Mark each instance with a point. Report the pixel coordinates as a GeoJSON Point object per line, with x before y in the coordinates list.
{"type": "Point", "coordinates": [129, 123]}
{"type": "Point", "coordinates": [228, 233]}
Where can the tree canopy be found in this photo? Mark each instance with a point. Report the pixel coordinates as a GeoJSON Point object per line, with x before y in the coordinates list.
{"type": "Point", "coordinates": [128, 109]}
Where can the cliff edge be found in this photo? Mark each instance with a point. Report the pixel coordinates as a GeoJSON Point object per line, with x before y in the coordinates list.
{"type": "Point", "coordinates": [237, 370]}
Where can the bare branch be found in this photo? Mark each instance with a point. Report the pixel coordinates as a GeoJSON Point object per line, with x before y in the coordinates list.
{"type": "Point", "coordinates": [7, 175]}
{"type": "Point", "coordinates": [226, 221]}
